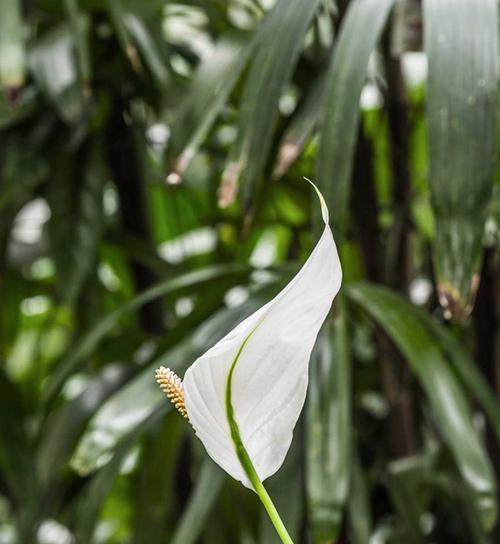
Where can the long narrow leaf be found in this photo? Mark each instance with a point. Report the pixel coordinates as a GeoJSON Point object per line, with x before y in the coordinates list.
{"type": "Point", "coordinates": [80, 25]}
{"type": "Point", "coordinates": [280, 40]}
{"type": "Point", "coordinates": [444, 392]}
{"type": "Point", "coordinates": [91, 500]}
{"type": "Point", "coordinates": [329, 438]}
{"type": "Point", "coordinates": [461, 41]}
{"type": "Point", "coordinates": [12, 53]}
{"type": "Point", "coordinates": [89, 341]}
{"type": "Point", "coordinates": [205, 494]}
{"type": "Point", "coordinates": [210, 88]}
{"type": "Point", "coordinates": [358, 35]}
{"type": "Point", "coordinates": [301, 126]}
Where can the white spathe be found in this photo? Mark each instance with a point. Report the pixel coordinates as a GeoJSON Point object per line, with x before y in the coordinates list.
{"type": "Point", "coordinates": [270, 377]}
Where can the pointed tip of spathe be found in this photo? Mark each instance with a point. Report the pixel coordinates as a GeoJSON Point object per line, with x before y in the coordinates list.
{"type": "Point", "coordinates": [324, 207]}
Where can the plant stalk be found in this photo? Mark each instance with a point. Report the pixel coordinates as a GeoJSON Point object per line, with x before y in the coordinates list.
{"type": "Point", "coordinates": [245, 460]}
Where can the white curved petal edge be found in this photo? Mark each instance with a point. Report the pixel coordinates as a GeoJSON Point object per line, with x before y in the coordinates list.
{"type": "Point", "coordinates": [270, 376]}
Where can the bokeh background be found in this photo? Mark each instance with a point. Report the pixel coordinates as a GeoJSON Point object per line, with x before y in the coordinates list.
{"type": "Point", "coordinates": [152, 156]}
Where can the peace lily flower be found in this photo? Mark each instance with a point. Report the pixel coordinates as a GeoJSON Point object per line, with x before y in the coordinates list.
{"type": "Point", "coordinates": [244, 395]}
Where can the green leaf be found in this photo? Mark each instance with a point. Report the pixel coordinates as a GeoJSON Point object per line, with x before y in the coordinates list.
{"type": "Point", "coordinates": [301, 126]}
{"type": "Point", "coordinates": [12, 52]}
{"type": "Point", "coordinates": [79, 23]}
{"type": "Point", "coordinates": [89, 341]}
{"type": "Point", "coordinates": [408, 481]}
{"type": "Point", "coordinates": [92, 498]}
{"type": "Point", "coordinates": [62, 430]}
{"type": "Point", "coordinates": [328, 439]}
{"type": "Point", "coordinates": [361, 28]}
{"type": "Point", "coordinates": [271, 69]}
{"type": "Point", "coordinates": [360, 516]}
{"type": "Point", "coordinates": [154, 493]}
{"type": "Point", "coordinates": [117, 15]}
{"type": "Point", "coordinates": [201, 502]}
{"type": "Point", "coordinates": [461, 42]}
{"type": "Point", "coordinates": [145, 32]}
{"type": "Point", "coordinates": [446, 397]}
{"type": "Point", "coordinates": [78, 205]}
{"type": "Point", "coordinates": [141, 395]}
{"type": "Point", "coordinates": [15, 459]}
{"type": "Point", "coordinates": [468, 372]}
{"type": "Point", "coordinates": [62, 85]}
{"type": "Point", "coordinates": [209, 90]}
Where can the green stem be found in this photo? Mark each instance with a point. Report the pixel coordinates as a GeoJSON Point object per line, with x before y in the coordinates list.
{"type": "Point", "coordinates": [265, 499]}
{"type": "Point", "coordinates": [245, 460]}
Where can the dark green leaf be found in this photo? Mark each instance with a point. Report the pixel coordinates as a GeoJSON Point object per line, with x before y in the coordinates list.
{"type": "Point", "coordinates": [155, 496]}
{"type": "Point", "coordinates": [461, 42]}
{"type": "Point", "coordinates": [301, 126]}
{"type": "Point", "coordinates": [205, 493]}
{"type": "Point", "coordinates": [271, 69]}
{"type": "Point", "coordinates": [213, 82]}
{"type": "Point", "coordinates": [360, 516]}
{"type": "Point", "coordinates": [358, 35]}
{"type": "Point", "coordinates": [78, 205]}
{"type": "Point", "coordinates": [328, 440]}
{"type": "Point", "coordinates": [80, 26]}
{"type": "Point", "coordinates": [62, 430]}
{"type": "Point", "coordinates": [89, 341]}
{"type": "Point", "coordinates": [444, 392]}
{"type": "Point", "coordinates": [91, 500]}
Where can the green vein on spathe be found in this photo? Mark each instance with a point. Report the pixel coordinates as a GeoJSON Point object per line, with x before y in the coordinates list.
{"type": "Point", "coordinates": [242, 453]}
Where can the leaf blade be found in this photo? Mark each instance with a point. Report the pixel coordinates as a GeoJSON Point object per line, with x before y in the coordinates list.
{"type": "Point", "coordinates": [446, 397]}
{"type": "Point", "coordinates": [461, 42]}
{"type": "Point", "coordinates": [360, 30]}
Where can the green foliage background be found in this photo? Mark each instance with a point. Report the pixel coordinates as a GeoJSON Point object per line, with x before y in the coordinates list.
{"type": "Point", "coordinates": [151, 196]}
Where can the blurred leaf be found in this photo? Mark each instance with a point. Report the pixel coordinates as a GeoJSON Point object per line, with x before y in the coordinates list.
{"type": "Point", "coordinates": [145, 34]}
{"type": "Point", "coordinates": [360, 516]}
{"type": "Point", "coordinates": [209, 90]}
{"type": "Point", "coordinates": [92, 498]}
{"type": "Point", "coordinates": [117, 15]}
{"type": "Point", "coordinates": [271, 69]}
{"type": "Point", "coordinates": [79, 23]}
{"type": "Point", "coordinates": [445, 395]}
{"type": "Point", "coordinates": [328, 440]}
{"type": "Point", "coordinates": [23, 169]}
{"type": "Point", "coordinates": [15, 450]}
{"type": "Point", "coordinates": [52, 63]}
{"type": "Point", "coordinates": [461, 42]}
{"type": "Point", "coordinates": [203, 497]}
{"type": "Point", "coordinates": [468, 372]}
{"type": "Point", "coordinates": [12, 53]}
{"type": "Point", "coordinates": [155, 497]}
{"type": "Point", "coordinates": [12, 292]}
{"type": "Point", "coordinates": [301, 125]}
{"type": "Point", "coordinates": [139, 398]}
{"type": "Point", "coordinates": [360, 30]}
{"type": "Point", "coordinates": [11, 115]}
{"type": "Point", "coordinates": [408, 485]}
{"type": "Point", "coordinates": [79, 207]}
{"type": "Point", "coordinates": [88, 342]}
{"type": "Point", "coordinates": [62, 430]}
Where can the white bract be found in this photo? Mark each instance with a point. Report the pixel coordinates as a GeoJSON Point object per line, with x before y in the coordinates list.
{"type": "Point", "coordinates": [248, 390]}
